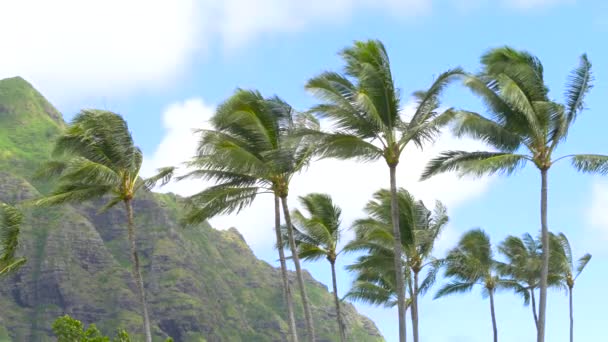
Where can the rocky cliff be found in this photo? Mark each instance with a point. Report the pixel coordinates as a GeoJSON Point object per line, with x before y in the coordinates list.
{"type": "Point", "coordinates": [203, 284]}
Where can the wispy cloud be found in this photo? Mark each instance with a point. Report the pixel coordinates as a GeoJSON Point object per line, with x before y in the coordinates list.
{"type": "Point", "coordinates": [71, 48]}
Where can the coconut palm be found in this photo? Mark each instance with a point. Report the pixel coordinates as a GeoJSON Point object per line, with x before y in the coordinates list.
{"type": "Point", "coordinates": [364, 107]}
{"type": "Point", "coordinates": [253, 150]}
{"type": "Point", "coordinates": [569, 272]}
{"type": "Point", "coordinates": [419, 229]}
{"type": "Point", "coordinates": [471, 263]}
{"type": "Point", "coordinates": [10, 225]}
{"type": "Point", "coordinates": [96, 157]}
{"type": "Point", "coordinates": [521, 118]}
{"type": "Point", "coordinates": [375, 279]}
{"type": "Point", "coordinates": [523, 264]}
{"type": "Point", "coordinates": [317, 234]}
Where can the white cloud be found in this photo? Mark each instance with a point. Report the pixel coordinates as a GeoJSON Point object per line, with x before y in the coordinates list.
{"type": "Point", "coordinates": [72, 48]}
{"type": "Point", "coordinates": [350, 183]}
{"type": "Point", "coordinates": [597, 214]}
{"type": "Point", "coordinates": [80, 49]}
{"type": "Point", "coordinates": [243, 19]}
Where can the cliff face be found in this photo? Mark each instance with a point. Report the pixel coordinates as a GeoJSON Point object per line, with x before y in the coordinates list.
{"type": "Point", "coordinates": [203, 284]}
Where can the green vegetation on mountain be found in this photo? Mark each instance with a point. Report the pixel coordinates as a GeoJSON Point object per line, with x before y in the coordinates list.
{"type": "Point", "coordinates": [202, 284]}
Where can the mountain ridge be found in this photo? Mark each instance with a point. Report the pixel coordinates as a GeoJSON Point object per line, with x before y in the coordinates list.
{"type": "Point", "coordinates": [203, 284]}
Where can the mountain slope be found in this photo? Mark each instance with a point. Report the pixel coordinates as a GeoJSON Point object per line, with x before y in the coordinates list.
{"type": "Point", "coordinates": [203, 284]}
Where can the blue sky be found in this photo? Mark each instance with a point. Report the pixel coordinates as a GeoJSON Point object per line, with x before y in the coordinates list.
{"type": "Point", "coordinates": [165, 67]}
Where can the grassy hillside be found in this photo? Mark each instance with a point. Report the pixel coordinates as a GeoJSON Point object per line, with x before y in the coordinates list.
{"type": "Point", "coordinates": [203, 284]}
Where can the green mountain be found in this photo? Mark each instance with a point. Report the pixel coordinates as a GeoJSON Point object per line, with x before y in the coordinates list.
{"type": "Point", "coordinates": [203, 284]}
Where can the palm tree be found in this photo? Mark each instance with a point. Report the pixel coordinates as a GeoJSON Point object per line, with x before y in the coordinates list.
{"type": "Point", "coordinates": [364, 106]}
{"type": "Point", "coordinates": [375, 279]}
{"type": "Point", "coordinates": [253, 150]}
{"type": "Point", "coordinates": [521, 117]}
{"type": "Point", "coordinates": [317, 236]}
{"type": "Point", "coordinates": [472, 263]}
{"type": "Point", "coordinates": [524, 262]}
{"type": "Point", "coordinates": [569, 272]}
{"type": "Point", "coordinates": [419, 229]}
{"type": "Point", "coordinates": [96, 157]}
{"type": "Point", "coordinates": [10, 225]}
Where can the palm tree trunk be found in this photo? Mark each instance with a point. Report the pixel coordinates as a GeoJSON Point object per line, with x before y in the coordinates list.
{"type": "Point", "coordinates": [494, 328]}
{"type": "Point", "coordinates": [136, 270]}
{"type": "Point", "coordinates": [409, 306]}
{"type": "Point", "coordinates": [571, 315]}
{"type": "Point", "coordinates": [415, 308]}
{"type": "Point", "coordinates": [341, 327]}
{"type": "Point", "coordinates": [286, 288]}
{"type": "Point", "coordinates": [296, 261]}
{"type": "Point", "coordinates": [534, 308]}
{"type": "Point", "coordinates": [542, 305]}
{"type": "Point", "coordinates": [397, 251]}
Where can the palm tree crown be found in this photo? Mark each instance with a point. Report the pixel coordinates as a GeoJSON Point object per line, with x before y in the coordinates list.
{"type": "Point", "coordinates": [569, 270]}
{"type": "Point", "coordinates": [318, 234]}
{"type": "Point", "coordinates": [521, 115]}
{"type": "Point", "coordinates": [96, 157]}
{"type": "Point", "coordinates": [251, 150]}
{"type": "Point", "coordinates": [365, 107]}
{"type": "Point", "coordinates": [523, 264]}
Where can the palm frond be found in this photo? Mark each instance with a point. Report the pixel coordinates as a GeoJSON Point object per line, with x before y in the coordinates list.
{"type": "Point", "coordinates": [341, 105]}
{"type": "Point", "coordinates": [474, 163]}
{"type": "Point", "coordinates": [370, 293]}
{"type": "Point", "coordinates": [428, 101]}
{"type": "Point", "coordinates": [368, 63]}
{"type": "Point", "coordinates": [565, 249]}
{"type": "Point", "coordinates": [591, 163]}
{"type": "Point", "coordinates": [578, 85]}
{"type": "Point", "coordinates": [114, 200]}
{"type": "Point", "coordinates": [582, 263]}
{"type": "Point", "coordinates": [163, 176]}
{"type": "Point", "coordinates": [431, 276]}
{"type": "Point", "coordinates": [476, 126]}
{"type": "Point", "coordinates": [10, 225]}
{"type": "Point", "coordinates": [454, 287]}
{"type": "Point", "coordinates": [347, 146]}
{"type": "Point", "coordinates": [12, 266]}
{"type": "Point", "coordinates": [426, 131]}
{"type": "Point", "coordinates": [81, 170]}
{"type": "Point", "coordinates": [74, 193]}
{"type": "Point", "coordinates": [216, 200]}
{"type": "Point", "coordinates": [51, 169]}
{"type": "Point", "coordinates": [516, 287]}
